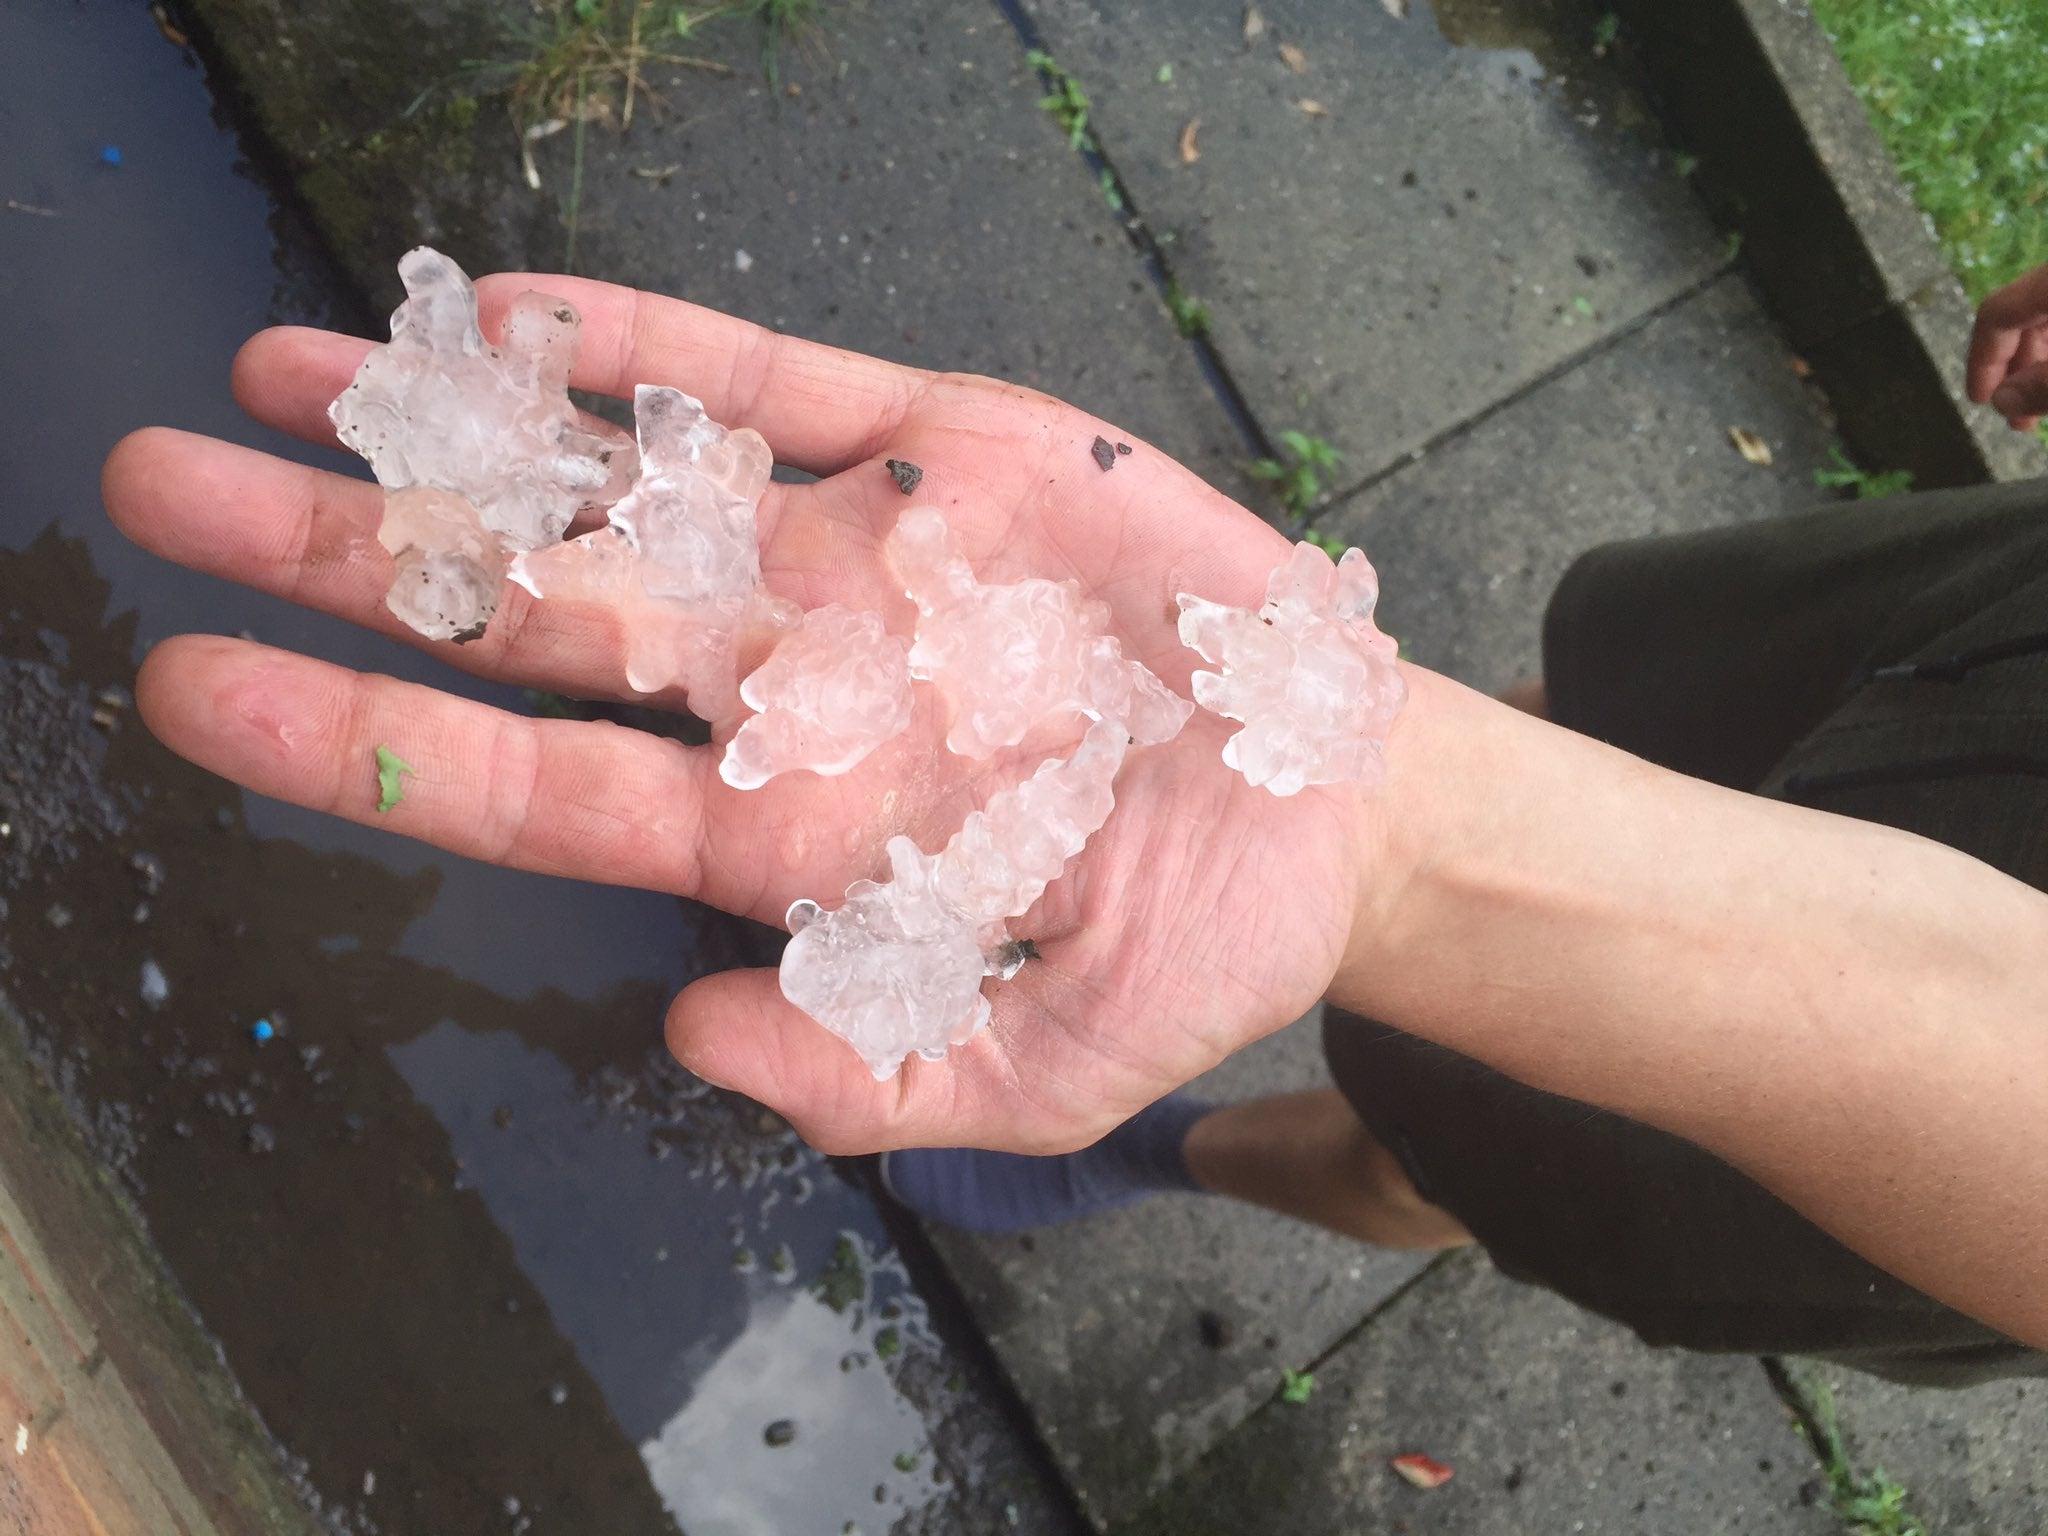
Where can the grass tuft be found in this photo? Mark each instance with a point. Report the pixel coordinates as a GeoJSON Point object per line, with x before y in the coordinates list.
{"type": "Point", "coordinates": [1840, 474]}
{"type": "Point", "coordinates": [1298, 478]}
{"type": "Point", "coordinates": [1064, 101]}
{"type": "Point", "coordinates": [1190, 314]}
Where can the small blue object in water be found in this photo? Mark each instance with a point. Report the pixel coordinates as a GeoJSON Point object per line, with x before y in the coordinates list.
{"type": "Point", "coordinates": [262, 1030]}
{"type": "Point", "coordinates": [110, 155]}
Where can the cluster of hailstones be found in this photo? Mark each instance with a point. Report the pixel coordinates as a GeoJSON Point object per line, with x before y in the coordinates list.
{"type": "Point", "coordinates": [486, 465]}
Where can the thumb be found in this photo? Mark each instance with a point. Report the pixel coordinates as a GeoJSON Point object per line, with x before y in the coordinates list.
{"type": "Point", "coordinates": [737, 1031]}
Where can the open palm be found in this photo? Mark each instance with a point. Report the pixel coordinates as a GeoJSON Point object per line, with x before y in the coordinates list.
{"type": "Point", "coordinates": [1204, 914]}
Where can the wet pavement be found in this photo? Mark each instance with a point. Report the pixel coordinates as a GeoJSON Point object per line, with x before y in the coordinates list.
{"type": "Point", "coordinates": [402, 1125]}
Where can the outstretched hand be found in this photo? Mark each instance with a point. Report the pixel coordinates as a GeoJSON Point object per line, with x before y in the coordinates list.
{"type": "Point", "coordinates": [2009, 351]}
{"type": "Point", "coordinates": [1203, 916]}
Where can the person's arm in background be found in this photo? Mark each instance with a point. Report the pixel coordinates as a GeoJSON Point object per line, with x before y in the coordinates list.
{"type": "Point", "coordinates": [2009, 351]}
{"type": "Point", "coordinates": [1854, 1016]}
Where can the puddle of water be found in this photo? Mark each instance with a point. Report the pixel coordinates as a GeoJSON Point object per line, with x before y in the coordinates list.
{"type": "Point", "coordinates": [1516, 44]}
{"type": "Point", "coordinates": [779, 1263]}
{"type": "Point", "coordinates": [481, 1255]}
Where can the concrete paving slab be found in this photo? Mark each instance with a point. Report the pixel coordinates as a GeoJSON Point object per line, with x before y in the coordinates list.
{"type": "Point", "coordinates": [893, 190]}
{"type": "Point", "coordinates": [904, 201]}
{"type": "Point", "coordinates": [1467, 199]}
{"type": "Point", "coordinates": [1973, 1463]}
{"type": "Point", "coordinates": [1832, 235]}
{"type": "Point", "coordinates": [1101, 1325]}
{"type": "Point", "coordinates": [1551, 1420]}
{"type": "Point", "coordinates": [1471, 541]}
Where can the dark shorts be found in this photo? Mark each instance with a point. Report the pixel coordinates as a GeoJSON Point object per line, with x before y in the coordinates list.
{"type": "Point", "coordinates": [1886, 660]}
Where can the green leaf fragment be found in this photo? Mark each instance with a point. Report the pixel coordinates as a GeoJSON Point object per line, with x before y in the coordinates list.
{"type": "Point", "coordinates": [1867, 485]}
{"type": "Point", "coordinates": [1295, 1386]}
{"type": "Point", "coordinates": [390, 766]}
{"type": "Point", "coordinates": [1166, 74]}
{"type": "Point", "coordinates": [888, 1344]}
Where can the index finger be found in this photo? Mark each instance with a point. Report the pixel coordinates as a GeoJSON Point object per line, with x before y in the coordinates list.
{"type": "Point", "coordinates": [822, 409]}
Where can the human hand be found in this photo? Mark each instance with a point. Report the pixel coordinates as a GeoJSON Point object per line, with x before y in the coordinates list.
{"type": "Point", "coordinates": [2009, 351]}
{"type": "Point", "coordinates": [1204, 915]}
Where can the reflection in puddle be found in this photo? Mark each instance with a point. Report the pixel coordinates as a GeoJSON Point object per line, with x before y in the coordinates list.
{"type": "Point", "coordinates": [713, 1462]}
{"type": "Point", "coordinates": [717, 1280]}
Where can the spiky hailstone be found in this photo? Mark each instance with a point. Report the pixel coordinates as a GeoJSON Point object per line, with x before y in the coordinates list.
{"type": "Point", "coordinates": [1309, 674]}
{"type": "Point", "coordinates": [679, 561]}
{"type": "Point", "coordinates": [898, 968]}
{"type": "Point", "coordinates": [1008, 658]}
{"type": "Point", "coordinates": [829, 695]}
{"type": "Point", "coordinates": [478, 449]}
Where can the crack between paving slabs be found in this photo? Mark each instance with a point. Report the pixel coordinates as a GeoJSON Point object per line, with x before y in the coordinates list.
{"type": "Point", "coordinates": [1215, 369]}
{"type": "Point", "coordinates": [1814, 1417]}
{"type": "Point", "coordinates": [1386, 1303]}
{"type": "Point", "coordinates": [1556, 371]}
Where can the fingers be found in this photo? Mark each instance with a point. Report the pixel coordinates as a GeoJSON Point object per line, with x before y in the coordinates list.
{"type": "Point", "coordinates": [2023, 398]}
{"type": "Point", "coordinates": [287, 376]}
{"type": "Point", "coordinates": [311, 536]}
{"type": "Point", "coordinates": [591, 801]}
{"type": "Point", "coordinates": [2003, 322]}
{"type": "Point", "coordinates": [821, 408]}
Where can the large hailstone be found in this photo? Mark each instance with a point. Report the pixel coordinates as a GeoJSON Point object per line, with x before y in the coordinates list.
{"type": "Point", "coordinates": [829, 695]}
{"type": "Point", "coordinates": [1008, 658]}
{"type": "Point", "coordinates": [478, 449]}
{"type": "Point", "coordinates": [1310, 674]}
{"type": "Point", "coordinates": [679, 560]}
{"type": "Point", "coordinates": [899, 967]}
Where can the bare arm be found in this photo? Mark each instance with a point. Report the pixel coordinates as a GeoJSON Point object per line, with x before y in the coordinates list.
{"type": "Point", "coordinates": [1856, 1017]}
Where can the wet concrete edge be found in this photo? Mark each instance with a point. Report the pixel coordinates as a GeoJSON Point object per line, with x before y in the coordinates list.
{"type": "Point", "coordinates": [112, 1276]}
{"type": "Point", "coordinates": [1831, 234]}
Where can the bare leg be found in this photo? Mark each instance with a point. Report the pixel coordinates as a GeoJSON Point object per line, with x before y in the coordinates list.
{"type": "Point", "coordinates": [1307, 1155]}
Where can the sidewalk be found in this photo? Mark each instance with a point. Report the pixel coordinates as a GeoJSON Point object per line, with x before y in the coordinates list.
{"type": "Point", "coordinates": [1450, 243]}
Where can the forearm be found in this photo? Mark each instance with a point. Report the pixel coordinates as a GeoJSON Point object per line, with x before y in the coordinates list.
{"type": "Point", "coordinates": [1855, 1016]}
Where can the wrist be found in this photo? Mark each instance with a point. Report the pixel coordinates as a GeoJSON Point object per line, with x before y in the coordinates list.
{"type": "Point", "coordinates": [1413, 826]}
